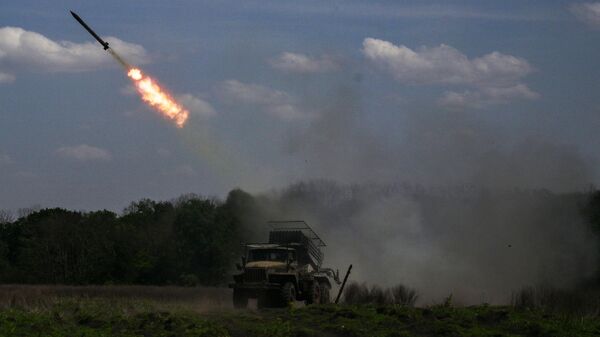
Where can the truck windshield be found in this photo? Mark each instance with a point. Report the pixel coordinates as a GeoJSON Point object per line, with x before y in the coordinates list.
{"type": "Point", "coordinates": [268, 255]}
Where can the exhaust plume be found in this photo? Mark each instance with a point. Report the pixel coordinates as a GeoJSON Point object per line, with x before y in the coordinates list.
{"type": "Point", "coordinates": [119, 59]}
{"type": "Point", "coordinates": [157, 97]}
{"type": "Point", "coordinates": [153, 94]}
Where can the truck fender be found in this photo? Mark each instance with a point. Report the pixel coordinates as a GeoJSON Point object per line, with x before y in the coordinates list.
{"type": "Point", "coordinates": [283, 278]}
{"type": "Point", "coordinates": [323, 279]}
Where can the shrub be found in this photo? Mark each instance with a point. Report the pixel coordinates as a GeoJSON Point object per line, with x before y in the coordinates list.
{"type": "Point", "coordinates": [356, 293]}
{"type": "Point", "coordinates": [378, 295]}
{"type": "Point", "coordinates": [403, 295]}
{"type": "Point", "coordinates": [360, 293]}
{"type": "Point", "coordinates": [575, 302]}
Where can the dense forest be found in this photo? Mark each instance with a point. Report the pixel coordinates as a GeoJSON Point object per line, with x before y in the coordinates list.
{"type": "Point", "coordinates": [188, 241]}
{"type": "Point", "coordinates": [191, 240]}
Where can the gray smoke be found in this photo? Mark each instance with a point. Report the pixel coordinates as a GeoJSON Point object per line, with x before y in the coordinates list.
{"type": "Point", "coordinates": [479, 245]}
{"type": "Point", "coordinates": [433, 148]}
{"type": "Point", "coordinates": [452, 206]}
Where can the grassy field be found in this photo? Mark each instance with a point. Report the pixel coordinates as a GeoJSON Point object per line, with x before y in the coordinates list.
{"type": "Point", "coordinates": [151, 311]}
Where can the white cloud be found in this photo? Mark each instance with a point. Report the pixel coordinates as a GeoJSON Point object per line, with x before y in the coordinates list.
{"type": "Point", "coordinates": [22, 49]}
{"type": "Point", "coordinates": [163, 152]}
{"type": "Point", "coordinates": [84, 152]}
{"type": "Point", "coordinates": [492, 78]}
{"type": "Point", "coordinates": [185, 171]}
{"type": "Point", "coordinates": [6, 78]}
{"type": "Point", "coordinates": [300, 63]}
{"type": "Point", "coordinates": [487, 96]}
{"type": "Point", "coordinates": [5, 160]}
{"type": "Point", "coordinates": [588, 12]}
{"type": "Point", "coordinates": [197, 105]}
{"type": "Point", "coordinates": [253, 93]}
{"type": "Point", "coordinates": [287, 112]}
{"type": "Point", "coordinates": [128, 90]}
{"type": "Point", "coordinates": [275, 102]}
{"type": "Point", "coordinates": [443, 64]}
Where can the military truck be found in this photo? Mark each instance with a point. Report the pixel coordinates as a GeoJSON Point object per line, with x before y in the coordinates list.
{"type": "Point", "coordinates": [285, 269]}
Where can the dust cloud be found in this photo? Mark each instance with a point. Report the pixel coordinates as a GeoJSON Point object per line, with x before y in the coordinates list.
{"type": "Point", "coordinates": [455, 206]}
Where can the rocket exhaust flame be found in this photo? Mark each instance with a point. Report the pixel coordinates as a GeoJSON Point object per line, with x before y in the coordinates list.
{"type": "Point", "coordinates": [157, 97]}
{"type": "Point", "coordinates": [147, 87]}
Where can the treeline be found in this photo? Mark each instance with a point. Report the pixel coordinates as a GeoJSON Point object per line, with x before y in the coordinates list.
{"type": "Point", "coordinates": [189, 241]}
{"type": "Point", "coordinates": [195, 240]}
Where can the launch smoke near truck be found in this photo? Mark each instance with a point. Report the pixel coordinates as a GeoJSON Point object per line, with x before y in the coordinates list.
{"type": "Point", "coordinates": [288, 268]}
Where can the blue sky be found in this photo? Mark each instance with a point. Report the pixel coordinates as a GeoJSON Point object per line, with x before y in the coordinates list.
{"type": "Point", "coordinates": [492, 93]}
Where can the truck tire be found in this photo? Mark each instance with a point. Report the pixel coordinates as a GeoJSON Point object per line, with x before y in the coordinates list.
{"type": "Point", "coordinates": [325, 296]}
{"type": "Point", "coordinates": [313, 295]}
{"type": "Point", "coordinates": [240, 300]}
{"type": "Point", "coordinates": [287, 294]}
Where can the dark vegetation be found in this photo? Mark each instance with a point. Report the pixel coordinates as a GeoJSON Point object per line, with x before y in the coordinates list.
{"type": "Point", "coordinates": [360, 293]}
{"type": "Point", "coordinates": [188, 241]}
{"type": "Point", "coordinates": [579, 302]}
{"type": "Point", "coordinates": [191, 241]}
{"type": "Point", "coordinates": [196, 241]}
{"type": "Point", "coordinates": [106, 317]}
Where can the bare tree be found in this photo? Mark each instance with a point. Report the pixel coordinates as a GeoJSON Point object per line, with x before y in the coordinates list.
{"type": "Point", "coordinates": [6, 216]}
{"type": "Point", "coordinates": [24, 212]}
{"type": "Point", "coordinates": [404, 295]}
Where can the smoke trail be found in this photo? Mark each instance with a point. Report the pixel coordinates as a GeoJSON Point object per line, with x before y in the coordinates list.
{"type": "Point", "coordinates": [152, 93]}
{"type": "Point", "coordinates": [119, 59]}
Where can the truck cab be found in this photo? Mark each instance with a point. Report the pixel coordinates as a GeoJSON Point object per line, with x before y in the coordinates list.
{"type": "Point", "coordinates": [284, 270]}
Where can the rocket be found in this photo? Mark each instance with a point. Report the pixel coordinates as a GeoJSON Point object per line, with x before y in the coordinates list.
{"type": "Point", "coordinates": [102, 42]}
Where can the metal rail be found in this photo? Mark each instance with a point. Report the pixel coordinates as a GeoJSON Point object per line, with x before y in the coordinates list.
{"type": "Point", "coordinates": [304, 227]}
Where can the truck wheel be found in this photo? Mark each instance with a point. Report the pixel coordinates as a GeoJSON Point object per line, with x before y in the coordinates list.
{"type": "Point", "coordinates": [314, 294]}
{"type": "Point", "coordinates": [287, 294]}
{"type": "Point", "coordinates": [240, 300]}
{"type": "Point", "coordinates": [325, 297]}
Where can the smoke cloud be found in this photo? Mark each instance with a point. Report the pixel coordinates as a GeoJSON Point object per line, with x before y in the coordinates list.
{"type": "Point", "coordinates": [479, 245]}
{"type": "Point", "coordinates": [435, 148]}
{"type": "Point", "coordinates": [455, 206]}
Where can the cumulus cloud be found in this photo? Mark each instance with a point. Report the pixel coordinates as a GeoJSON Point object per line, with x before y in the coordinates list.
{"type": "Point", "coordinates": [197, 105]}
{"type": "Point", "coordinates": [300, 63]}
{"type": "Point", "coordinates": [253, 93]}
{"type": "Point", "coordinates": [443, 64]}
{"type": "Point", "coordinates": [486, 96]}
{"type": "Point", "coordinates": [6, 78]}
{"type": "Point", "coordinates": [588, 12]}
{"type": "Point", "coordinates": [495, 76]}
{"type": "Point", "coordinates": [275, 102]}
{"type": "Point", "coordinates": [23, 49]}
{"type": "Point", "coordinates": [5, 160]}
{"type": "Point", "coordinates": [184, 170]}
{"type": "Point", "coordinates": [84, 152]}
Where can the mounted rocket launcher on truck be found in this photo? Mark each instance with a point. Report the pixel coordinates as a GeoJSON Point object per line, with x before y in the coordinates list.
{"type": "Point", "coordinates": [286, 269]}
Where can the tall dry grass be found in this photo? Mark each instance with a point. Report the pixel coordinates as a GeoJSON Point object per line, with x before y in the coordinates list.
{"type": "Point", "coordinates": [41, 297]}
{"type": "Point", "coordinates": [360, 293]}
{"type": "Point", "coordinates": [578, 302]}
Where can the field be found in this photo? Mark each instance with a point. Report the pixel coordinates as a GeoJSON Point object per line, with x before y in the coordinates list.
{"type": "Point", "coordinates": [172, 311]}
